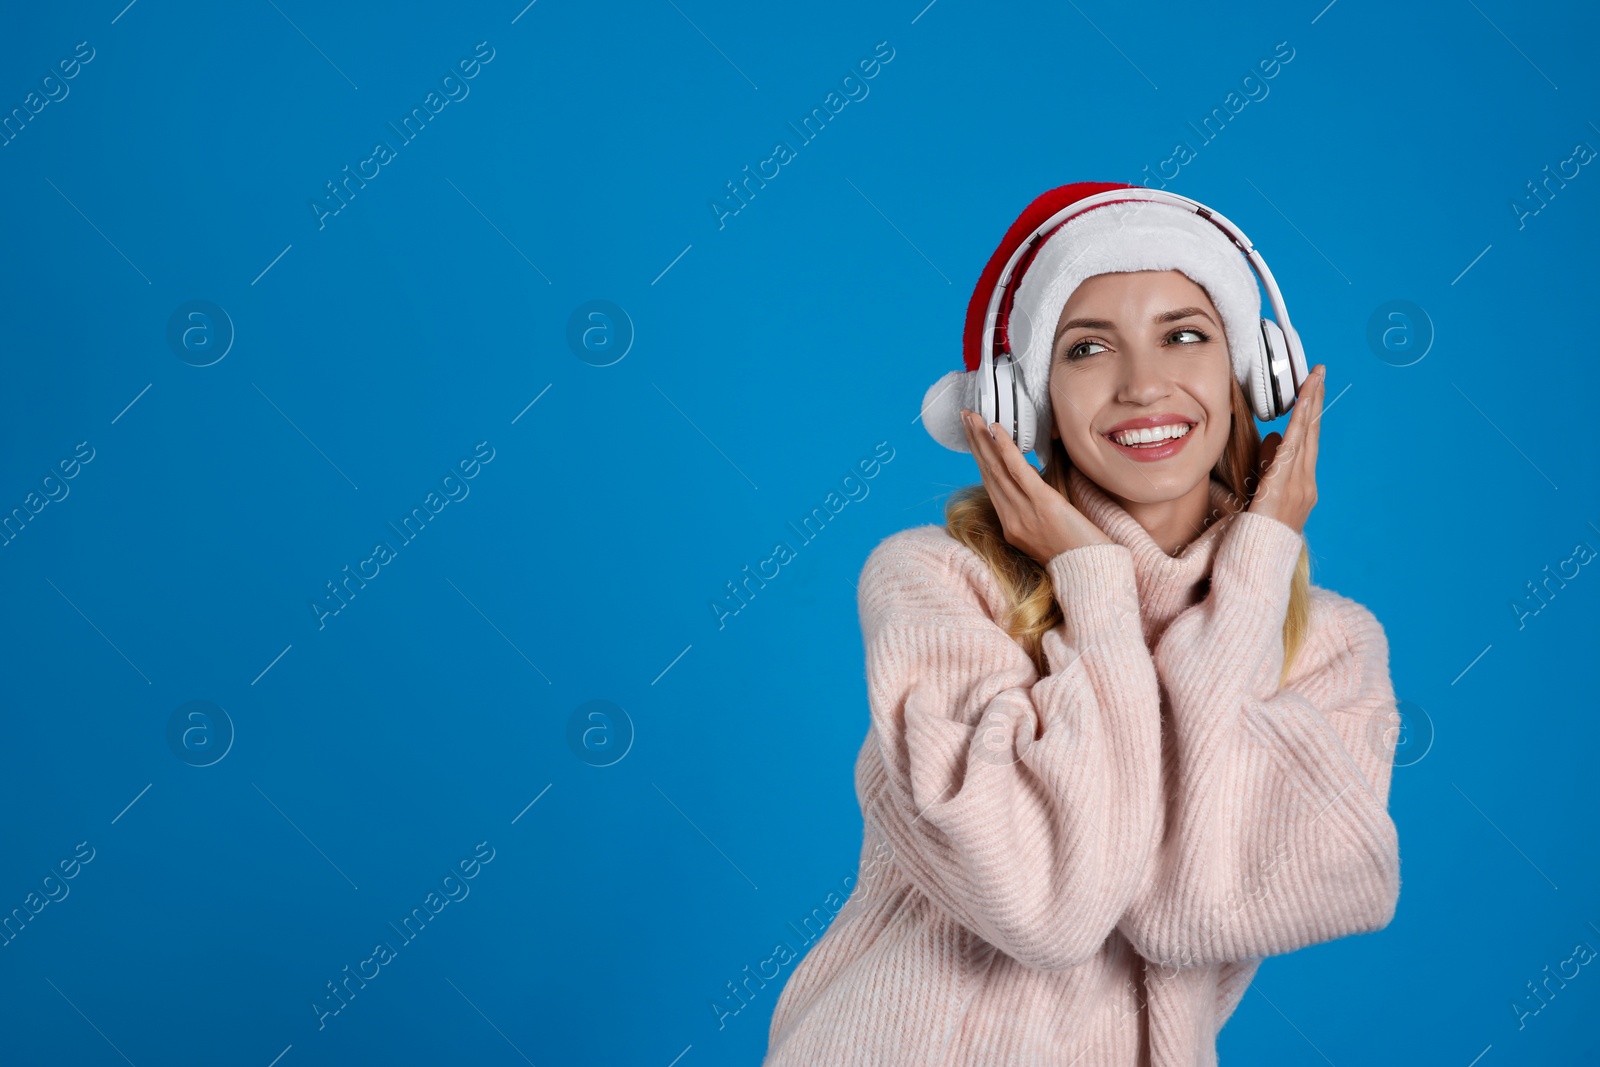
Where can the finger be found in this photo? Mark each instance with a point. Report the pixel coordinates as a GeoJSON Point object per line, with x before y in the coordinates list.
{"type": "Point", "coordinates": [972, 445]}
{"type": "Point", "coordinates": [989, 466]}
{"type": "Point", "coordinates": [1011, 488]}
{"type": "Point", "coordinates": [1265, 472]}
{"type": "Point", "coordinates": [1269, 449]}
{"type": "Point", "coordinates": [1299, 416]}
{"type": "Point", "coordinates": [1305, 417]}
{"type": "Point", "coordinates": [1314, 433]}
{"type": "Point", "coordinates": [1010, 455]}
{"type": "Point", "coordinates": [1299, 453]}
{"type": "Point", "coordinates": [1004, 485]}
{"type": "Point", "coordinates": [1303, 424]}
{"type": "Point", "coordinates": [1033, 496]}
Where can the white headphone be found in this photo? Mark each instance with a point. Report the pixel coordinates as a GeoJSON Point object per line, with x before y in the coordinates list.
{"type": "Point", "coordinates": [1276, 372]}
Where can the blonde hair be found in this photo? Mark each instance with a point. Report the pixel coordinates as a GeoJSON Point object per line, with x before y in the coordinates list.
{"type": "Point", "coordinates": [971, 519]}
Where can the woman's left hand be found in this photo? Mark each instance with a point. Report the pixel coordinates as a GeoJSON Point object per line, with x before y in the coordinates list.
{"type": "Point", "coordinates": [1288, 487]}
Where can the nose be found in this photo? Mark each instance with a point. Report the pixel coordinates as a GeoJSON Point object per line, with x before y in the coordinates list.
{"type": "Point", "coordinates": [1145, 378]}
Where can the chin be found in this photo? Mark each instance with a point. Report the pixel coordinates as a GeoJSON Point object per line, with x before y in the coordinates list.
{"type": "Point", "coordinates": [1148, 482]}
{"type": "Point", "coordinates": [1155, 488]}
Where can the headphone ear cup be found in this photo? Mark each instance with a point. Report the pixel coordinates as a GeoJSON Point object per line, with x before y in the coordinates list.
{"type": "Point", "coordinates": [1279, 377]}
{"type": "Point", "coordinates": [1257, 388]}
{"type": "Point", "coordinates": [1260, 385]}
{"type": "Point", "coordinates": [1027, 423]}
{"type": "Point", "coordinates": [984, 402]}
{"type": "Point", "coordinates": [1009, 405]}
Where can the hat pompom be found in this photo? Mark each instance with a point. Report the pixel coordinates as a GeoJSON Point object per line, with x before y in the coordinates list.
{"type": "Point", "coordinates": [941, 409]}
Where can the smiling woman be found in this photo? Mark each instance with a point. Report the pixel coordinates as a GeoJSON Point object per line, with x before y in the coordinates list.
{"type": "Point", "coordinates": [1120, 748]}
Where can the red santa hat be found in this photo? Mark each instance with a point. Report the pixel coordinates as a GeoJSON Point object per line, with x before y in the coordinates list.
{"type": "Point", "coordinates": [1123, 235]}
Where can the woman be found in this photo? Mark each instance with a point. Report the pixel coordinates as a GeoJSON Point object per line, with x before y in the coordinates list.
{"type": "Point", "coordinates": [1120, 747]}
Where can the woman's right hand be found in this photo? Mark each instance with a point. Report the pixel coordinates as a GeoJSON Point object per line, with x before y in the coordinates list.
{"type": "Point", "coordinates": [1036, 519]}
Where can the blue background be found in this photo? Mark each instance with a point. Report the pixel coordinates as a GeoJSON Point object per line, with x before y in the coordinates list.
{"type": "Point", "coordinates": [361, 759]}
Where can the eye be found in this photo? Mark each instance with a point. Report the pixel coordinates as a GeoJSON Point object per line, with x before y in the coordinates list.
{"type": "Point", "coordinates": [1076, 352]}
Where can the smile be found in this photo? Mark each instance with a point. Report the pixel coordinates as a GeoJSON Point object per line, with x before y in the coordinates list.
{"type": "Point", "coordinates": [1151, 443]}
{"type": "Point", "coordinates": [1151, 435]}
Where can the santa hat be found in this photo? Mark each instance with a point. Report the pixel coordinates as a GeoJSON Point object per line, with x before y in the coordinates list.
{"type": "Point", "coordinates": [1124, 235]}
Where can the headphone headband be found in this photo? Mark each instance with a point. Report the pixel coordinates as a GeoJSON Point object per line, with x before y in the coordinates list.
{"type": "Point", "coordinates": [1019, 261]}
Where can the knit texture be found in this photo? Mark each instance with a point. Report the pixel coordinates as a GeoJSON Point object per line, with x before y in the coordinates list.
{"type": "Point", "coordinates": [1087, 868]}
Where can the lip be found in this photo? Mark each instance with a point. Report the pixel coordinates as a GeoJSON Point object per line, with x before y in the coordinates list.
{"type": "Point", "coordinates": [1151, 453]}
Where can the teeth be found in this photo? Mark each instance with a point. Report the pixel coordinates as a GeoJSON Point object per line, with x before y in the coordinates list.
{"type": "Point", "coordinates": [1151, 434]}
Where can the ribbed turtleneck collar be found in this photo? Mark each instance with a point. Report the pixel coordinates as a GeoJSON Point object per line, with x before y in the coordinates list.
{"type": "Point", "coordinates": [1167, 584]}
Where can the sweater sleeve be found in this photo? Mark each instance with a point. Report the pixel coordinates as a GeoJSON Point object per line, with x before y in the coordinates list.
{"type": "Point", "coordinates": [1022, 807]}
{"type": "Point", "coordinates": [1277, 831]}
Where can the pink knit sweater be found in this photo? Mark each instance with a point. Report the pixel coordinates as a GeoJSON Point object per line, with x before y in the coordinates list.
{"type": "Point", "coordinates": [1086, 868]}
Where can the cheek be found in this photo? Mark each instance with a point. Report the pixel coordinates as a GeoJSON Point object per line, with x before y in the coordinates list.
{"type": "Point", "coordinates": [1219, 408]}
{"type": "Point", "coordinates": [1074, 400]}
{"type": "Point", "coordinates": [1215, 395]}
{"type": "Point", "coordinates": [1069, 419]}
{"type": "Point", "coordinates": [1219, 420]}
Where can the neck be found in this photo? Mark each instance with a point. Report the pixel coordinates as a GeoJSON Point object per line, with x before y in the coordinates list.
{"type": "Point", "coordinates": [1173, 524]}
{"type": "Point", "coordinates": [1172, 542]}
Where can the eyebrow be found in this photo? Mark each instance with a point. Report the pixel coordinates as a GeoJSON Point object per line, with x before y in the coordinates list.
{"type": "Point", "coordinates": [1103, 324]}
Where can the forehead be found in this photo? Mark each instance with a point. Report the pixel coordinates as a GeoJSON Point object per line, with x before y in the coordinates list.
{"type": "Point", "coordinates": [1145, 295]}
{"type": "Point", "coordinates": [1123, 284]}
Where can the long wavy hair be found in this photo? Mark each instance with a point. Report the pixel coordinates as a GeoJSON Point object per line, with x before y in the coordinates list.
{"type": "Point", "coordinates": [971, 518]}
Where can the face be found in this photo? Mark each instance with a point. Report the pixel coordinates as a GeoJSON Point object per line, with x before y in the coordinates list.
{"type": "Point", "coordinates": [1142, 349]}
